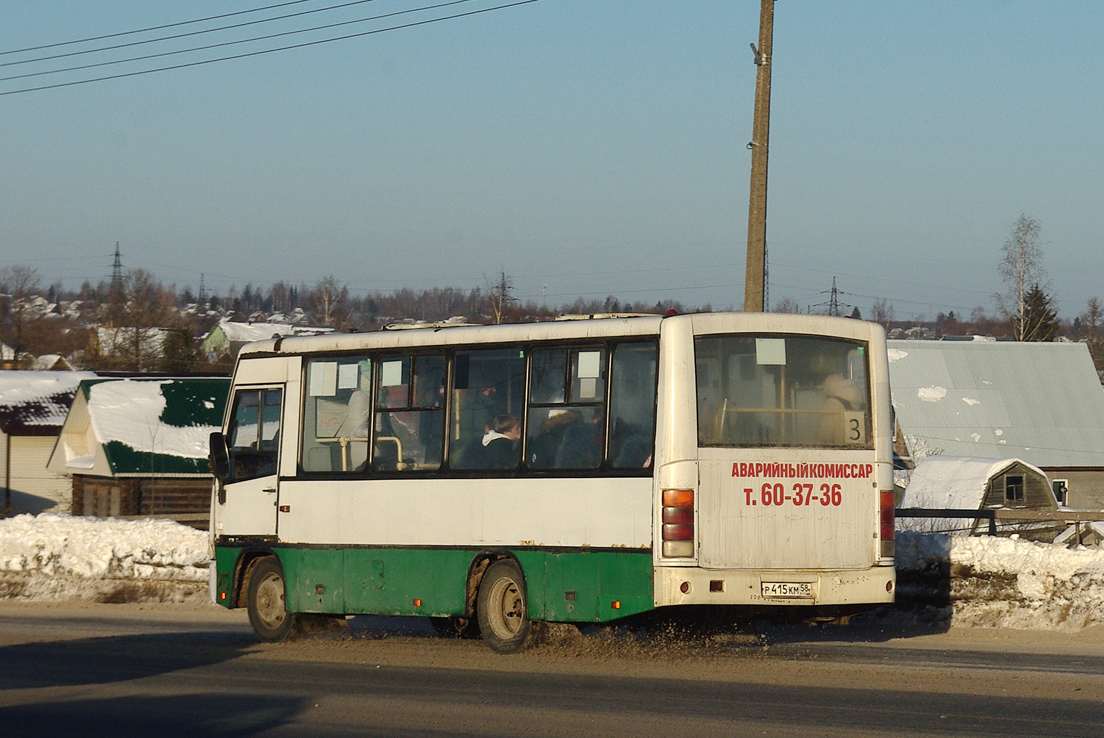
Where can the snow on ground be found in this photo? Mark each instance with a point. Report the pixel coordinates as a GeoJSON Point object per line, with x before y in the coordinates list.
{"type": "Point", "coordinates": [1008, 582]}
{"type": "Point", "coordinates": [988, 582]}
{"type": "Point", "coordinates": [57, 557]}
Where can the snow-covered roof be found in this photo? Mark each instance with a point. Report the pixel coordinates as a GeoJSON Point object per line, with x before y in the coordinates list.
{"type": "Point", "coordinates": [1093, 527]}
{"type": "Point", "coordinates": [247, 332]}
{"type": "Point", "coordinates": [954, 482]}
{"type": "Point", "coordinates": [48, 362]}
{"type": "Point", "coordinates": [1041, 402]}
{"type": "Point", "coordinates": [141, 427]}
{"type": "Point", "coordinates": [120, 340]}
{"type": "Point", "coordinates": [30, 399]}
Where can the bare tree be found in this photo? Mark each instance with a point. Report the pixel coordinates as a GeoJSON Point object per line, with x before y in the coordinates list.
{"type": "Point", "coordinates": [18, 286]}
{"type": "Point", "coordinates": [882, 312]}
{"type": "Point", "coordinates": [131, 338]}
{"type": "Point", "coordinates": [1020, 267]}
{"type": "Point", "coordinates": [787, 305]}
{"type": "Point", "coordinates": [499, 296]}
{"type": "Point", "coordinates": [327, 299]}
{"type": "Point", "coordinates": [1092, 317]}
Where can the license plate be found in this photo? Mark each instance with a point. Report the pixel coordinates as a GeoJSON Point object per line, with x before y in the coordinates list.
{"type": "Point", "coordinates": [788, 590]}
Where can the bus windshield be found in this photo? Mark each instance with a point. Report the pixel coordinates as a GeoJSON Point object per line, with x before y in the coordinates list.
{"type": "Point", "coordinates": [782, 391]}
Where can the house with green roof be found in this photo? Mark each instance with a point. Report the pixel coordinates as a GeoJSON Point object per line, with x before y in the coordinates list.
{"type": "Point", "coordinates": [138, 446]}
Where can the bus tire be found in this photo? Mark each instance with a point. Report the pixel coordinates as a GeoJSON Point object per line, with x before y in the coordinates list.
{"type": "Point", "coordinates": [503, 609]}
{"type": "Point", "coordinates": [267, 603]}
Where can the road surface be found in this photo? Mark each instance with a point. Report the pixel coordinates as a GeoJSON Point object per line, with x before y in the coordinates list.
{"type": "Point", "coordinates": [160, 670]}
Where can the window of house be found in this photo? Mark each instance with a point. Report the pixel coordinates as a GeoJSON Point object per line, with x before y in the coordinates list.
{"type": "Point", "coordinates": [1061, 490]}
{"type": "Point", "coordinates": [1013, 488]}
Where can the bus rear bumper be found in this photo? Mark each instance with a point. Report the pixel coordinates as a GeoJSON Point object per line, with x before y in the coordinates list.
{"type": "Point", "coordinates": [765, 588]}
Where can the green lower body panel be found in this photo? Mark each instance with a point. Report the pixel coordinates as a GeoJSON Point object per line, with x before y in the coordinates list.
{"type": "Point", "coordinates": [563, 586]}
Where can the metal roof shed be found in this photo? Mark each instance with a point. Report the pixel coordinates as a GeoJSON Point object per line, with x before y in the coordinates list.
{"type": "Point", "coordinates": [1041, 402]}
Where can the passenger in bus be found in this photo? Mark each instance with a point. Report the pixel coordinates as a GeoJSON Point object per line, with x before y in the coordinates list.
{"type": "Point", "coordinates": [630, 445]}
{"type": "Point", "coordinates": [581, 445]}
{"type": "Point", "coordinates": [358, 421]}
{"type": "Point", "coordinates": [840, 394]}
{"type": "Point", "coordinates": [544, 447]}
{"type": "Point", "coordinates": [501, 444]}
{"type": "Point", "coordinates": [360, 408]}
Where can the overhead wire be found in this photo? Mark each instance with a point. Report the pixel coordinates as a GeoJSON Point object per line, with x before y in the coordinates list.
{"type": "Point", "coordinates": [305, 44]}
{"type": "Point", "coordinates": [237, 42]}
{"type": "Point", "coordinates": [174, 37]}
{"type": "Point", "coordinates": [148, 29]}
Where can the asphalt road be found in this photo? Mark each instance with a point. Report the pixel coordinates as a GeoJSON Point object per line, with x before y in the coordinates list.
{"type": "Point", "coordinates": [84, 670]}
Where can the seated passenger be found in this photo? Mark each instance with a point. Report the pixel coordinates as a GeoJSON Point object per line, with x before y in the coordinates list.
{"type": "Point", "coordinates": [358, 422]}
{"type": "Point", "coordinates": [581, 445]}
{"type": "Point", "coordinates": [501, 443]}
{"type": "Point", "coordinates": [545, 439]}
{"type": "Point", "coordinates": [840, 394]}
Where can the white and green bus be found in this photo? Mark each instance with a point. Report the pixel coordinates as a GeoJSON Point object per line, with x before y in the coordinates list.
{"type": "Point", "coordinates": [578, 471]}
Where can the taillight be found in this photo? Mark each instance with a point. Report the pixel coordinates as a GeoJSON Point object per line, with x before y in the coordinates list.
{"type": "Point", "coordinates": [889, 547]}
{"type": "Point", "coordinates": [678, 523]}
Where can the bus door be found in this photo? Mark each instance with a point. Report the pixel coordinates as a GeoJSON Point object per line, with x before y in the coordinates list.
{"type": "Point", "coordinates": [248, 501]}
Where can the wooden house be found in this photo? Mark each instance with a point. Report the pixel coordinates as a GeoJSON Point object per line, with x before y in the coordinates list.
{"type": "Point", "coordinates": [33, 406]}
{"type": "Point", "coordinates": [1040, 402]}
{"type": "Point", "coordinates": [963, 483]}
{"type": "Point", "coordinates": [139, 446]}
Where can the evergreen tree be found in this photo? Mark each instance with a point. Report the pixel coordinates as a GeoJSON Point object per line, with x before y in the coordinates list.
{"type": "Point", "coordinates": [180, 353]}
{"type": "Point", "coordinates": [1040, 320]}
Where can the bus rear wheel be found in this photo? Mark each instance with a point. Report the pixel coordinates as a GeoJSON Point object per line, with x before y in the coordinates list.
{"type": "Point", "coordinates": [503, 609]}
{"type": "Point", "coordinates": [267, 602]}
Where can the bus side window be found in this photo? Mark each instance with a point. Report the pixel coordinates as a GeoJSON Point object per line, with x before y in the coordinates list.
{"type": "Point", "coordinates": [632, 405]}
{"type": "Point", "coordinates": [488, 391]}
{"type": "Point", "coordinates": [337, 411]}
{"type": "Point", "coordinates": [566, 422]}
{"type": "Point", "coordinates": [410, 417]}
{"type": "Point", "coordinates": [254, 434]}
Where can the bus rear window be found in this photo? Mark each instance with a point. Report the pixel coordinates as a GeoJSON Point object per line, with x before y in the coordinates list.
{"type": "Point", "coordinates": [771, 390]}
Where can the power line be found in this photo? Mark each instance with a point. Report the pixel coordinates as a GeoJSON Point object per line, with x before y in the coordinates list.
{"type": "Point", "coordinates": [174, 37]}
{"type": "Point", "coordinates": [147, 30]}
{"type": "Point", "coordinates": [238, 42]}
{"type": "Point", "coordinates": [305, 44]}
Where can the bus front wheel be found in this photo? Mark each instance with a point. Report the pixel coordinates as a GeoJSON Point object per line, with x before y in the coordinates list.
{"type": "Point", "coordinates": [267, 602]}
{"type": "Point", "coordinates": [503, 610]}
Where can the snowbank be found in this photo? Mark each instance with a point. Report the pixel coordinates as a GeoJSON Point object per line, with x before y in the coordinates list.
{"type": "Point", "coordinates": [1008, 582]}
{"type": "Point", "coordinates": [60, 556]}
{"type": "Point", "coordinates": [988, 582]}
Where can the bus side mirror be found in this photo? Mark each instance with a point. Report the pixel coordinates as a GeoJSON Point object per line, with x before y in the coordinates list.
{"type": "Point", "coordinates": [220, 458]}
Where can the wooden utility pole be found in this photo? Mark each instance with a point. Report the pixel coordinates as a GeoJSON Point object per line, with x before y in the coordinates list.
{"type": "Point", "coordinates": [755, 280]}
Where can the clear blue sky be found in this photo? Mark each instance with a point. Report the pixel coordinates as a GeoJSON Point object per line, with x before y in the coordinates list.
{"type": "Point", "coordinates": [586, 148]}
